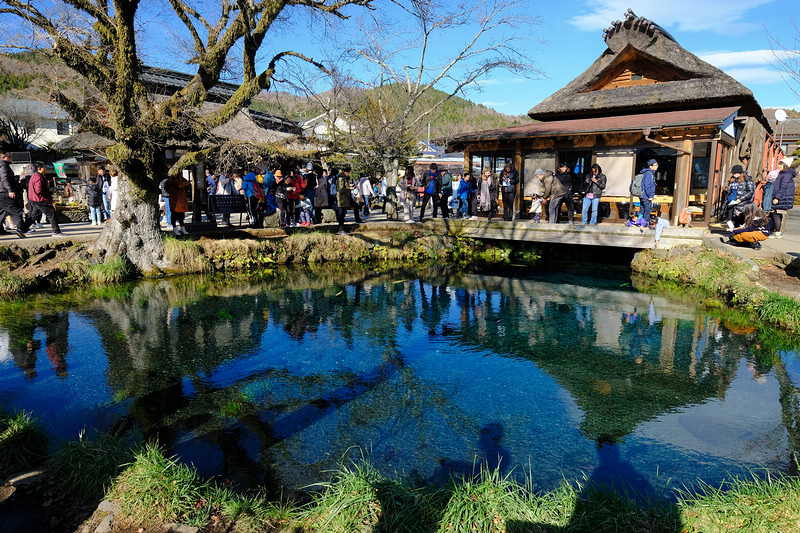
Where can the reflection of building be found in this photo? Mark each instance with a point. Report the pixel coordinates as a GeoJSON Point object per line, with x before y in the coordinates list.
{"type": "Point", "coordinates": [645, 97]}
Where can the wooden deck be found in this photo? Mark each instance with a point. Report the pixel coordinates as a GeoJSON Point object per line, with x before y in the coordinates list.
{"type": "Point", "coordinates": [610, 234]}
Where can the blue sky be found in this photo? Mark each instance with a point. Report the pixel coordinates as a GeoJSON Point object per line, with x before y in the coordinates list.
{"type": "Point", "coordinates": [732, 35]}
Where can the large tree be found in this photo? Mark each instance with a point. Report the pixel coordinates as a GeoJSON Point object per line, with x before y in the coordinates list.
{"type": "Point", "coordinates": [102, 40]}
{"type": "Point", "coordinates": [389, 71]}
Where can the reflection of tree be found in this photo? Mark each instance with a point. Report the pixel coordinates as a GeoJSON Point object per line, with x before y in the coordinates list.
{"type": "Point", "coordinates": [615, 388]}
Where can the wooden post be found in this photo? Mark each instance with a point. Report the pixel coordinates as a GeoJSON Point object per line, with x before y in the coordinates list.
{"type": "Point", "coordinates": [683, 180]}
{"type": "Point", "coordinates": [518, 201]}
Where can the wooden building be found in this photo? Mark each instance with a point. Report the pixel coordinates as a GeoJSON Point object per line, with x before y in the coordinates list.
{"type": "Point", "coordinates": [644, 97]}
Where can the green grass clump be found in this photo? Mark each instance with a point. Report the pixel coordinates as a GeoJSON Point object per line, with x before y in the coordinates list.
{"type": "Point", "coordinates": [85, 468]}
{"type": "Point", "coordinates": [11, 284]}
{"type": "Point", "coordinates": [23, 443]}
{"type": "Point", "coordinates": [358, 499]}
{"type": "Point", "coordinates": [777, 309]}
{"type": "Point", "coordinates": [770, 504]}
{"type": "Point", "coordinates": [185, 255]}
{"type": "Point", "coordinates": [112, 271]}
{"type": "Point", "coordinates": [156, 489]}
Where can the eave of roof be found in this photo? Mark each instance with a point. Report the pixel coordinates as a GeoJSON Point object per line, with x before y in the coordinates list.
{"type": "Point", "coordinates": [600, 125]}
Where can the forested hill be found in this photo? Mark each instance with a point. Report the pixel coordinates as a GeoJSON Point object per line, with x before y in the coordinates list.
{"type": "Point", "coordinates": [30, 75]}
{"type": "Point", "coordinates": [457, 115]}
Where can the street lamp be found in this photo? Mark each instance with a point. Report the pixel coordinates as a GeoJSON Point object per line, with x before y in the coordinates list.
{"type": "Point", "coordinates": [780, 117]}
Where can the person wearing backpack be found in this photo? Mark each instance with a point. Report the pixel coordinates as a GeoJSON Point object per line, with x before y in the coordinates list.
{"type": "Point", "coordinates": [509, 178]}
{"type": "Point", "coordinates": [447, 192]}
{"type": "Point", "coordinates": [250, 189]}
{"type": "Point", "coordinates": [648, 188]}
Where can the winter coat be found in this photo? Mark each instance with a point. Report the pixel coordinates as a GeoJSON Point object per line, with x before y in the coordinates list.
{"type": "Point", "coordinates": [596, 189]}
{"type": "Point", "coordinates": [566, 179]}
{"type": "Point", "coordinates": [248, 184]}
{"type": "Point", "coordinates": [177, 195]}
{"type": "Point", "coordinates": [344, 196]}
{"type": "Point", "coordinates": [648, 183]}
{"type": "Point", "coordinates": [447, 184]}
{"type": "Point", "coordinates": [758, 224]}
{"type": "Point", "coordinates": [746, 190]}
{"type": "Point", "coordinates": [94, 194]}
{"type": "Point", "coordinates": [39, 190]}
{"type": "Point", "coordinates": [8, 181]}
{"type": "Point", "coordinates": [225, 185]}
{"type": "Point", "coordinates": [784, 190]}
{"type": "Point", "coordinates": [512, 177]}
{"type": "Point", "coordinates": [432, 177]}
{"type": "Point", "coordinates": [552, 187]}
{"type": "Point", "coordinates": [466, 189]}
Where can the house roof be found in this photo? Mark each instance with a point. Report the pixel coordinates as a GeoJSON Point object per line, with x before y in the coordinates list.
{"type": "Point", "coordinates": [675, 79]}
{"type": "Point", "coordinates": [613, 124]}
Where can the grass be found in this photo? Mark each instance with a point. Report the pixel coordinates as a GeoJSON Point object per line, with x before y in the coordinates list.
{"type": "Point", "coordinates": [85, 468]}
{"type": "Point", "coordinates": [720, 273]}
{"type": "Point", "coordinates": [23, 442]}
{"type": "Point", "coordinates": [12, 284]}
{"type": "Point", "coordinates": [186, 255]}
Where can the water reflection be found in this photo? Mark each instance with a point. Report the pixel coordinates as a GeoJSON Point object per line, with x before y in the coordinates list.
{"type": "Point", "coordinates": [432, 373]}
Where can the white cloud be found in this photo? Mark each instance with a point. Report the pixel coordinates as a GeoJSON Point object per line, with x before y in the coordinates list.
{"type": "Point", "coordinates": [754, 75]}
{"type": "Point", "coordinates": [494, 104]}
{"type": "Point", "coordinates": [734, 59]}
{"type": "Point", "coordinates": [720, 16]}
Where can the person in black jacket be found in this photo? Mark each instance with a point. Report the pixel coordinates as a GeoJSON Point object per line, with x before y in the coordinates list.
{"type": "Point", "coordinates": [593, 186]}
{"type": "Point", "coordinates": [431, 190]}
{"type": "Point", "coordinates": [783, 196]}
{"type": "Point", "coordinates": [94, 199]}
{"type": "Point", "coordinates": [509, 178]}
{"type": "Point", "coordinates": [11, 197]}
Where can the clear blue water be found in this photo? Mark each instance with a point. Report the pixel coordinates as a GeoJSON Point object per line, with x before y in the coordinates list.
{"type": "Point", "coordinates": [551, 374]}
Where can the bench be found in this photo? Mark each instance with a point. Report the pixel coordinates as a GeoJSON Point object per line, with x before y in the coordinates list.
{"type": "Point", "coordinates": [222, 204]}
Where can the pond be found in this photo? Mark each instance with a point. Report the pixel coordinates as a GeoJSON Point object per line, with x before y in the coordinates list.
{"type": "Point", "coordinates": [547, 373]}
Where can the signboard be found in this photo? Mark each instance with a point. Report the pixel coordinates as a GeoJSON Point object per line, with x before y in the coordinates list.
{"type": "Point", "coordinates": [59, 167]}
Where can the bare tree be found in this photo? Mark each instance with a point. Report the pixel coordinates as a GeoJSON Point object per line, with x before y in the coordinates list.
{"type": "Point", "coordinates": [101, 41]}
{"type": "Point", "coordinates": [20, 121]}
{"type": "Point", "coordinates": [404, 53]}
{"type": "Point", "coordinates": [787, 59]}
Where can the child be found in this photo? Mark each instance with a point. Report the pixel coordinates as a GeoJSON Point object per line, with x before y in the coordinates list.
{"type": "Point", "coordinates": [658, 224]}
{"type": "Point", "coordinates": [756, 228]}
{"type": "Point", "coordinates": [536, 208]}
{"type": "Point", "coordinates": [305, 211]}
{"type": "Point", "coordinates": [637, 221]}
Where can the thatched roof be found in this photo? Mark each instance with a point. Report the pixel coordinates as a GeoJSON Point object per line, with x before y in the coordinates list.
{"type": "Point", "coordinates": [82, 142]}
{"type": "Point", "coordinates": [668, 77]}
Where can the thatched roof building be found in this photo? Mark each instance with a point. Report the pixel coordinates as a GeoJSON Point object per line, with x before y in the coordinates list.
{"type": "Point", "coordinates": [643, 68]}
{"type": "Point", "coordinates": [645, 97]}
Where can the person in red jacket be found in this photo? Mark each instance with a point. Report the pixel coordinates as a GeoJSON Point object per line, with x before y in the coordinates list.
{"type": "Point", "coordinates": [41, 198]}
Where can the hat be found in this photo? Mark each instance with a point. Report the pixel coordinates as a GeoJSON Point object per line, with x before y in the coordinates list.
{"type": "Point", "coordinates": [539, 172]}
{"type": "Point", "coordinates": [737, 169]}
{"type": "Point", "coordinates": [278, 174]}
{"type": "Point", "coordinates": [651, 162]}
{"type": "Point", "coordinates": [787, 161]}
{"type": "Point", "coordinates": [310, 166]}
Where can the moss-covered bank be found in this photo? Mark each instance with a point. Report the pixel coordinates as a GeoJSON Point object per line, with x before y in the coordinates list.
{"type": "Point", "coordinates": [56, 267]}
{"type": "Point", "coordinates": [722, 274]}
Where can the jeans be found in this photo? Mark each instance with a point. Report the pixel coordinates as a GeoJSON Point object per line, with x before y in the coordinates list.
{"type": "Point", "coordinates": [594, 203]}
{"type": "Point", "coordinates": [167, 216]}
{"type": "Point", "coordinates": [107, 206]}
{"type": "Point", "coordinates": [508, 206]}
{"type": "Point", "coordinates": [647, 207]}
{"type": "Point", "coordinates": [555, 207]}
{"type": "Point", "coordinates": [434, 200]}
{"type": "Point", "coordinates": [94, 215]}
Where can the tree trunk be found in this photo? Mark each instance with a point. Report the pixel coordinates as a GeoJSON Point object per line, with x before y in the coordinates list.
{"type": "Point", "coordinates": [133, 231]}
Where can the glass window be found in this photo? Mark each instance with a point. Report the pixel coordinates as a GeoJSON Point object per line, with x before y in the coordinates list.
{"type": "Point", "coordinates": [701, 162]}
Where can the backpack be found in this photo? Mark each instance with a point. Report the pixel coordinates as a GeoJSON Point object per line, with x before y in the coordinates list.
{"type": "Point", "coordinates": [636, 185]}
{"type": "Point", "coordinates": [258, 190]}
{"type": "Point", "coordinates": [447, 184]}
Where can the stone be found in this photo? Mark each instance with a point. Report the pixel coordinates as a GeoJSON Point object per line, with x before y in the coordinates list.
{"type": "Point", "coordinates": [107, 507]}
{"type": "Point", "coordinates": [6, 492]}
{"type": "Point", "coordinates": [105, 524]}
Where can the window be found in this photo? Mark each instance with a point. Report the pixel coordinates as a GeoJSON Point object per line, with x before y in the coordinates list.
{"type": "Point", "coordinates": [636, 77]}
{"type": "Point", "coordinates": [62, 127]}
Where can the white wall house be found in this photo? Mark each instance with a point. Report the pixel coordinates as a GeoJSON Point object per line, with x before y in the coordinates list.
{"type": "Point", "coordinates": [49, 122]}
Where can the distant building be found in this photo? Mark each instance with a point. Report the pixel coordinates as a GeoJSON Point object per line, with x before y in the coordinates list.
{"type": "Point", "coordinates": [48, 122]}
{"type": "Point", "coordinates": [644, 97]}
